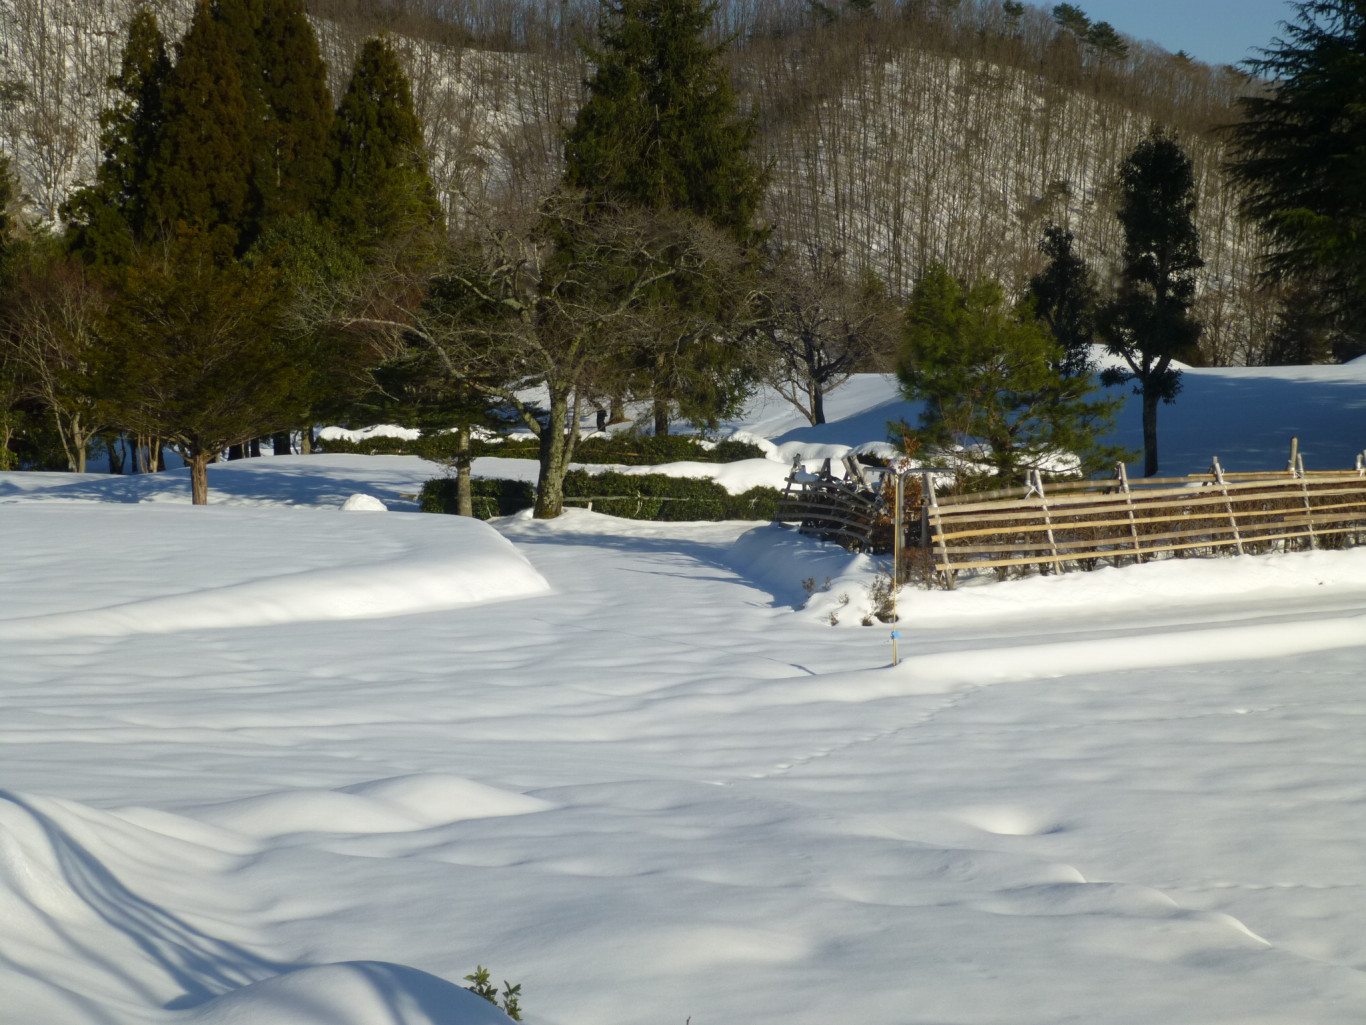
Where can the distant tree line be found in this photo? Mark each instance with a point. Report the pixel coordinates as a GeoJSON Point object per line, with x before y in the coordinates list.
{"type": "Point", "coordinates": [250, 256]}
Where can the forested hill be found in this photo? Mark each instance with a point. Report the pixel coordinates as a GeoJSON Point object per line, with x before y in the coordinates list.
{"type": "Point", "coordinates": [897, 133]}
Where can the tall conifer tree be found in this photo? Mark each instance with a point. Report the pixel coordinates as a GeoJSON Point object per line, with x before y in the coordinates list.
{"type": "Point", "coordinates": [109, 216]}
{"type": "Point", "coordinates": [383, 194]}
{"type": "Point", "coordinates": [660, 130]}
{"type": "Point", "coordinates": [284, 84]}
{"type": "Point", "coordinates": [201, 176]}
{"type": "Point", "coordinates": [1149, 324]}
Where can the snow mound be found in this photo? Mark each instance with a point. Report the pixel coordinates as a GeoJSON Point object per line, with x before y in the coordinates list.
{"type": "Point", "coordinates": [364, 503]}
{"type": "Point", "coordinates": [398, 805]}
{"type": "Point", "coordinates": [348, 993]}
{"type": "Point", "coordinates": [361, 569]}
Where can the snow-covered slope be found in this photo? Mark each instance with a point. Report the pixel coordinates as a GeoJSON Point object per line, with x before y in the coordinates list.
{"type": "Point", "coordinates": [649, 786]}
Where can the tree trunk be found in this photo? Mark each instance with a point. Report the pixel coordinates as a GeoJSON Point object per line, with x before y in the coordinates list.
{"type": "Point", "coordinates": [617, 413]}
{"type": "Point", "coordinates": [255, 448]}
{"type": "Point", "coordinates": [464, 490]}
{"type": "Point", "coordinates": [661, 417]}
{"type": "Point", "coordinates": [1150, 402]}
{"type": "Point", "coordinates": [550, 480]}
{"type": "Point", "coordinates": [236, 452]}
{"type": "Point", "coordinates": [199, 478]}
{"type": "Point", "coordinates": [817, 404]}
{"type": "Point", "coordinates": [306, 439]}
{"type": "Point", "coordinates": [283, 444]}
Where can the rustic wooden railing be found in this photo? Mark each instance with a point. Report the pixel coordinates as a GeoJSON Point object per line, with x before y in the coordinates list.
{"type": "Point", "coordinates": [1083, 523]}
{"type": "Point", "coordinates": [1057, 527]}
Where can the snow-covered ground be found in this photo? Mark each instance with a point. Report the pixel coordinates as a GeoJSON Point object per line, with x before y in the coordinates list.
{"type": "Point", "coordinates": [275, 763]}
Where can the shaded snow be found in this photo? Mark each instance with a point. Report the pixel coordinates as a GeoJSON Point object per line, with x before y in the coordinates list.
{"type": "Point", "coordinates": [631, 766]}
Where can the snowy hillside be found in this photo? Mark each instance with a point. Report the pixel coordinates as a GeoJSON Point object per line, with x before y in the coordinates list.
{"type": "Point", "coordinates": [275, 763]}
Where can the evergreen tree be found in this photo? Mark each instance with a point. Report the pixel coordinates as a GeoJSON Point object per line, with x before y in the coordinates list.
{"type": "Point", "coordinates": [289, 107]}
{"type": "Point", "coordinates": [107, 217]}
{"type": "Point", "coordinates": [1072, 18]}
{"type": "Point", "coordinates": [193, 352]}
{"type": "Point", "coordinates": [1300, 152]}
{"type": "Point", "coordinates": [201, 175]}
{"type": "Point", "coordinates": [660, 131]}
{"type": "Point", "coordinates": [660, 128]}
{"type": "Point", "coordinates": [1148, 323]}
{"type": "Point", "coordinates": [1064, 298]}
{"type": "Point", "coordinates": [1303, 332]}
{"type": "Point", "coordinates": [994, 396]}
{"type": "Point", "coordinates": [382, 192]}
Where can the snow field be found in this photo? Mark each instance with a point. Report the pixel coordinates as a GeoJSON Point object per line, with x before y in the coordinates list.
{"type": "Point", "coordinates": [271, 764]}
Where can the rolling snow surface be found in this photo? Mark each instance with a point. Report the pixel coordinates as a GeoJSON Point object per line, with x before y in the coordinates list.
{"type": "Point", "coordinates": [273, 763]}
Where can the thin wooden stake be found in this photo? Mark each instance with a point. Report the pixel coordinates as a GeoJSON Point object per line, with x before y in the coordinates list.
{"type": "Point", "coordinates": [932, 503]}
{"type": "Point", "coordinates": [1036, 484]}
{"type": "Point", "coordinates": [1123, 474]}
{"type": "Point", "coordinates": [1308, 508]}
{"type": "Point", "coordinates": [1294, 455]}
{"type": "Point", "coordinates": [1218, 472]}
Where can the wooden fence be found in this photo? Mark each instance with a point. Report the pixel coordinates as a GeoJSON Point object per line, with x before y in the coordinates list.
{"type": "Point", "coordinates": [1084, 524]}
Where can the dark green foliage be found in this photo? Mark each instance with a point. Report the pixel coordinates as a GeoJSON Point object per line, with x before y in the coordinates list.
{"type": "Point", "coordinates": [1299, 153]}
{"type": "Point", "coordinates": [659, 497]}
{"type": "Point", "coordinates": [1303, 332]}
{"type": "Point", "coordinates": [1149, 323]}
{"type": "Point", "coordinates": [619, 449]}
{"type": "Point", "coordinates": [290, 109]}
{"type": "Point", "coordinates": [382, 194]}
{"type": "Point", "coordinates": [992, 389]}
{"type": "Point", "coordinates": [660, 128]}
{"type": "Point", "coordinates": [1107, 43]}
{"type": "Point", "coordinates": [1072, 18]}
{"type": "Point", "coordinates": [1064, 297]}
{"type": "Point", "coordinates": [195, 353]}
{"type": "Point", "coordinates": [492, 496]}
{"type": "Point", "coordinates": [201, 175]}
{"type": "Point", "coordinates": [109, 216]}
{"type": "Point", "coordinates": [653, 496]}
{"type": "Point", "coordinates": [1012, 8]}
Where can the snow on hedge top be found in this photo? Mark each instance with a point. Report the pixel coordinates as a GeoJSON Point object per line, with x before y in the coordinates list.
{"type": "Point", "coordinates": [334, 567]}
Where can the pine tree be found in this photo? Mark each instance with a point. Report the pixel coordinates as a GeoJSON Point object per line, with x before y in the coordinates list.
{"type": "Point", "coordinates": [382, 193]}
{"type": "Point", "coordinates": [1148, 323]}
{"type": "Point", "coordinates": [1300, 153]}
{"type": "Point", "coordinates": [994, 396]}
{"type": "Point", "coordinates": [1064, 298]}
{"type": "Point", "coordinates": [660, 128]}
{"type": "Point", "coordinates": [660, 131]}
{"type": "Point", "coordinates": [289, 107]}
{"type": "Point", "coordinates": [201, 175]}
{"type": "Point", "coordinates": [108, 217]}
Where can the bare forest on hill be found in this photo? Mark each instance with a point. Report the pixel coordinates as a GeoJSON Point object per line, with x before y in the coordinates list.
{"type": "Point", "coordinates": [898, 134]}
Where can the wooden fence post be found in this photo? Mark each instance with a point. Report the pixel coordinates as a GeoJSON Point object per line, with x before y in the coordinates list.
{"type": "Point", "coordinates": [1308, 507]}
{"type": "Point", "coordinates": [1123, 474]}
{"type": "Point", "coordinates": [1036, 484]}
{"type": "Point", "coordinates": [1218, 472]}
{"type": "Point", "coordinates": [933, 520]}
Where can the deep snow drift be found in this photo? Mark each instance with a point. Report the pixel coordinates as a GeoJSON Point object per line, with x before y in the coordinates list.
{"type": "Point", "coordinates": [272, 763]}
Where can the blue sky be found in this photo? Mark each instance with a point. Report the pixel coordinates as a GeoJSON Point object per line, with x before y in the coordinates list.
{"type": "Point", "coordinates": [1214, 31]}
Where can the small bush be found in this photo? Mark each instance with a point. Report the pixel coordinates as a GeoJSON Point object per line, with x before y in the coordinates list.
{"type": "Point", "coordinates": [492, 496]}
{"type": "Point", "coordinates": [481, 986]}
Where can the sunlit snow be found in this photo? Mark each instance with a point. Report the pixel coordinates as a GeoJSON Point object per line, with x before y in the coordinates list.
{"type": "Point", "coordinates": [273, 763]}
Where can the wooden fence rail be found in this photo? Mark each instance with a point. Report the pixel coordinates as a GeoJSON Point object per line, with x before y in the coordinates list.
{"type": "Point", "coordinates": [1116, 521]}
{"type": "Point", "coordinates": [1082, 524]}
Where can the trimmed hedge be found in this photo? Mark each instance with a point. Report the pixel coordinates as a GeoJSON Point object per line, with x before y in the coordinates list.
{"type": "Point", "coordinates": [650, 496]}
{"type": "Point", "coordinates": [623, 449]}
{"type": "Point", "coordinates": [491, 496]}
